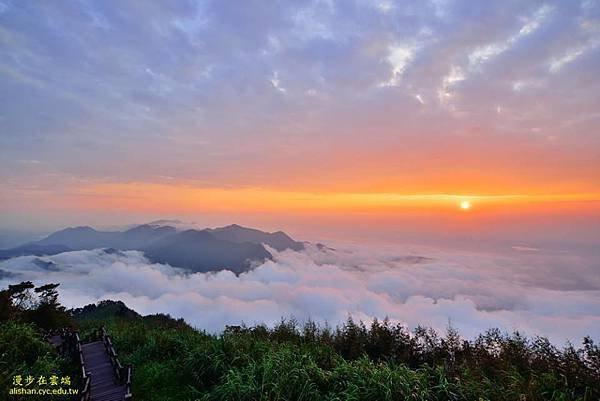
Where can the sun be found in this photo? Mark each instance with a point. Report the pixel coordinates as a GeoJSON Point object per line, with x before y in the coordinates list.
{"type": "Point", "coordinates": [465, 205]}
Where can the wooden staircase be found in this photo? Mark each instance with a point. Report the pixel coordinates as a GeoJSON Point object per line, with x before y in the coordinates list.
{"type": "Point", "coordinates": [105, 385]}
{"type": "Point", "coordinates": [104, 377]}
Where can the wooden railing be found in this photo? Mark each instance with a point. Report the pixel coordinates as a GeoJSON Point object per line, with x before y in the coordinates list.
{"type": "Point", "coordinates": [86, 394]}
{"type": "Point", "coordinates": [123, 373]}
{"type": "Point", "coordinates": [72, 345]}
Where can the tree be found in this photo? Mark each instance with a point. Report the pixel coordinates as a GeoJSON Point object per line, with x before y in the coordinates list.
{"type": "Point", "coordinates": [39, 306]}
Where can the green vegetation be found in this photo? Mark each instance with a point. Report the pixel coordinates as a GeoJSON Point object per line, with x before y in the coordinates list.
{"type": "Point", "coordinates": [26, 313]}
{"type": "Point", "coordinates": [383, 362]}
{"type": "Point", "coordinates": [173, 361]}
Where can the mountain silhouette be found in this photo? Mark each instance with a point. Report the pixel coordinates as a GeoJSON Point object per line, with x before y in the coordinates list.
{"type": "Point", "coordinates": [236, 233]}
{"type": "Point", "coordinates": [78, 238]}
{"type": "Point", "coordinates": [232, 247]}
{"type": "Point", "coordinates": [200, 251]}
{"type": "Point", "coordinates": [34, 249]}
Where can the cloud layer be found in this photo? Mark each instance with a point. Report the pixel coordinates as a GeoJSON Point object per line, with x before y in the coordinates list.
{"type": "Point", "coordinates": [553, 295]}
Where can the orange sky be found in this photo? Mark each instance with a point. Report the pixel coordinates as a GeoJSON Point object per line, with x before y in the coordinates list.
{"type": "Point", "coordinates": [179, 199]}
{"type": "Point", "coordinates": [162, 200]}
{"type": "Point", "coordinates": [316, 113]}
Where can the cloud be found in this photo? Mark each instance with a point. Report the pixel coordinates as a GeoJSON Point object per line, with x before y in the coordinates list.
{"type": "Point", "coordinates": [571, 55]}
{"type": "Point", "coordinates": [455, 76]}
{"type": "Point", "coordinates": [485, 53]}
{"type": "Point", "coordinates": [277, 83]}
{"type": "Point", "coordinates": [525, 248]}
{"type": "Point", "coordinates": [399, 57]}
{"type": "Point", "coordinates": [473, 291]}
{"type": "Point", "coordinates": [80, 77]}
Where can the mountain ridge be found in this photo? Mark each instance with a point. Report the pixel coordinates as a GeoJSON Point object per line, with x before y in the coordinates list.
{"type": "Point", "coordinates": [231, 247]}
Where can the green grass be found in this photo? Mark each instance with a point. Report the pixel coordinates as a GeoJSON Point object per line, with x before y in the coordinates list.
{"type": "Point", "coordinates": [24, 352]}
{"type": "Point", "coordinates": [179, 363]}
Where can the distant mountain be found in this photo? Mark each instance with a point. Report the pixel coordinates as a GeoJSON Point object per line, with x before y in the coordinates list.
{"type": "Point", "coordinates": [35, 249]}
{"type": "Point", "coordinates": [166, 222]}
{"type": "Point", "coordinates": [78, 238]}
{"type": "Point", "coordinates": [232, 247]}
{"type": "Point", "coordinates": [277, 240]}
{"type": "Point", "coordinates": [200, 251]}
{"type": "Point", "coordinates": [140, 236]}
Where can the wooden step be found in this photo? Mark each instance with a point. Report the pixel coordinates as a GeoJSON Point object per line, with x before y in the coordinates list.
{"type": "Point", "coordinates": [104, 386]}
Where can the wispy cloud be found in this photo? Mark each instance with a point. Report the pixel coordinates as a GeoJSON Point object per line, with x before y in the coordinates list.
{"type": "Point", "coordinates": [399, 56]}
{"type": "Point", "coordinates": [485, 53]}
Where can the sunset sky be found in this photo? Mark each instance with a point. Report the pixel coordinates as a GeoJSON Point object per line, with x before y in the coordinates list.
{"type": "Point", "coordinates": [301, 113]}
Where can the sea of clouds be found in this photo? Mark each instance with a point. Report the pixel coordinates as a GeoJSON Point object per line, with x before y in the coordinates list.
{"type": "Point", "coordinates": [556, 294]}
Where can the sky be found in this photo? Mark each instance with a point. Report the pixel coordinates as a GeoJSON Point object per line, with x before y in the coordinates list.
{"type": "Point", "coordinates": [319, 117]}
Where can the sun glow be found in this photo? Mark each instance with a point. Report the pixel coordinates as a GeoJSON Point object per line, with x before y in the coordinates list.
{"type": "Point", "coordinates": [185, 199]}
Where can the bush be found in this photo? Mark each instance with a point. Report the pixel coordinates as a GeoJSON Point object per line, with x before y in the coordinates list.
{"type": "Point", "coordinates": [24, 352]}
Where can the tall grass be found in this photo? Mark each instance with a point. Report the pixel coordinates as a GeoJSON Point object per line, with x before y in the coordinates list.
{"type": "Point", "coordinates": [351, 362]}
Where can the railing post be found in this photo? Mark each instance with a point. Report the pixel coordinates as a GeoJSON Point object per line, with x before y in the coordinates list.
{"type": "Point", "coordinates": [128, 395]}
{"type": "Point", "coordinates": [86, 377]}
